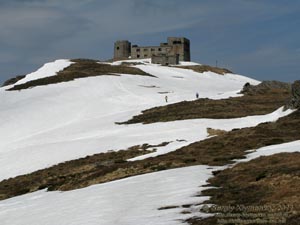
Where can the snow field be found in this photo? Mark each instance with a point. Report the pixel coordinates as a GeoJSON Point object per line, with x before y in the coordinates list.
{"type": "Point", "coordinates": [70, 120]}
{"type": "Point", "coordinates": [43, 126]}
{"type": "Point", "coordinates": [133, 200]}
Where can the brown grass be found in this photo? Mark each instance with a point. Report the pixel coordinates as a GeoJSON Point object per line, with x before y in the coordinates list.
{"type": "Point", "coordinates": [213, 132]}
{"type": "Point", "coordinates": [13, 80]}
{"type": "Point", "coordinates": [216, 151]}
{"type": "Point", "coordinates": [236, 107]}
{"type": "Point", "coordinates": [82, 68]}
{"type": "Point", "coordinates": [266, 180]}
{"type": "Point", "coordinates": [206, 68]}
{"type": "Point", "coordinates": [78, 173]}
{"type": "Point", "coordinates": [272, 179]}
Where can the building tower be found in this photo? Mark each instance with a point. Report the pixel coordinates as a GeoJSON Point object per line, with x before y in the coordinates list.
{"type": "Point", "coordinates": [181, 47]}
{"type": "Point", "coordinates": [122, 50]}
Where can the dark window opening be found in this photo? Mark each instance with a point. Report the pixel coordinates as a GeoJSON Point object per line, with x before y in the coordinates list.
{"type": "Point", "coordinates": [145, 49]}
{"type": "Point", "coordinates": [138, 56]}
{"type": "Point", "coordinates": [152, 49]}
{"type": "Point", "coordinates": [159, 49]}
{"type": "Point", "coordinates": [118, 48]}
{"type": "Point", "coordinates": [137, 49]}
{"type": "Point", "coordinates": [177, 42]}
{"type": "Point", "coordinates": [146, 56]}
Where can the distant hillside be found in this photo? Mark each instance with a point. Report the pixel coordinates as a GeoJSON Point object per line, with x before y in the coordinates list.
{"type": "Point", "coordinates": [131, 142]}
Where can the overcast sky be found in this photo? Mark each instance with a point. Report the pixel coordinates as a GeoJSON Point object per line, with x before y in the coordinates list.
{"type": "Point", "coordinates": [257, 38]}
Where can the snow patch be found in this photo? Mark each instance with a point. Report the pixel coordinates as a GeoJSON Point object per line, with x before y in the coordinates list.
{"type": "Point", "coordinates": [48, 70]}
{"type": "Point", "coordinates": [134, 200]}
{"type": "Point", "coordinates": [144, 61]}
{"type": "Point", "coordinates": [185, 63]}
{"type": "Point", "coordinates": [271, 150]}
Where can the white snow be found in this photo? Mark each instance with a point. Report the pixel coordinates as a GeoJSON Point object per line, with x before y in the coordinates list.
{"type": "Point", "coordinates": [46, 125]}
{"type": "Point", "coordinates": [195, 130]}
{"type": "Point", "coordinates": [184, 63]}
{"type": "Point", "coordinates": [144, 61]}
{"type": "Point", "coordinates": [130, 201]}
{"type": "Point", "coordinates": [49, 69]}
{"type": "Point", "coordinates": [271, 150]}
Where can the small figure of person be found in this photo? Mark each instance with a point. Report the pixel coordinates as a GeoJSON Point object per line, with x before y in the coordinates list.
{"type": "Point", "coordinates": [166, 98]}
{"type": "Point", "coordinates": [197, 95]}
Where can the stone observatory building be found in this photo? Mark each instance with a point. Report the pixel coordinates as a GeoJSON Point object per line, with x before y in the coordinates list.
{"type": "Point", "coordinates": [175, 50]}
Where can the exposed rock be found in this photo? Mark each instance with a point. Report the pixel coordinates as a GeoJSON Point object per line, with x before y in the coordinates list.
{"type": "Point", "coordinates": [294, 103]}
{"type": "Point", "coordinates": [213, 132]}
{"type": "Point", "coordinates": [264, 87]}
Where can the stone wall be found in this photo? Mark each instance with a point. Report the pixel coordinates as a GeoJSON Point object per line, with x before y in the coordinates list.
{"type": "Point", "coordinates": [175, 46]}
{"type": "Point", "coordinates": [180, 46]}
{"type": "Point", "coordinates": [165, 59]}
{"type": "Point", "coordinates": [122, 50]}
{"type": "Point", "coordinates": [143, 52]}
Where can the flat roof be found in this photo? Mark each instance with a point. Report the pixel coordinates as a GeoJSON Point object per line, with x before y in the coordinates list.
{"type": "Point", "coordinates": [133, 46]}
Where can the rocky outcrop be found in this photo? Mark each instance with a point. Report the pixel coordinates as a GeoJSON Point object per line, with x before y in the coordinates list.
{"type": "Point", "coordinates": [264, 87]}
{"type": "Point", "coordinates": [294, 103]}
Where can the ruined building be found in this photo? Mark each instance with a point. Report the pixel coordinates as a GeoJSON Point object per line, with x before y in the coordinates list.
{"type": "Point", "coordinates": [175, 50]}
